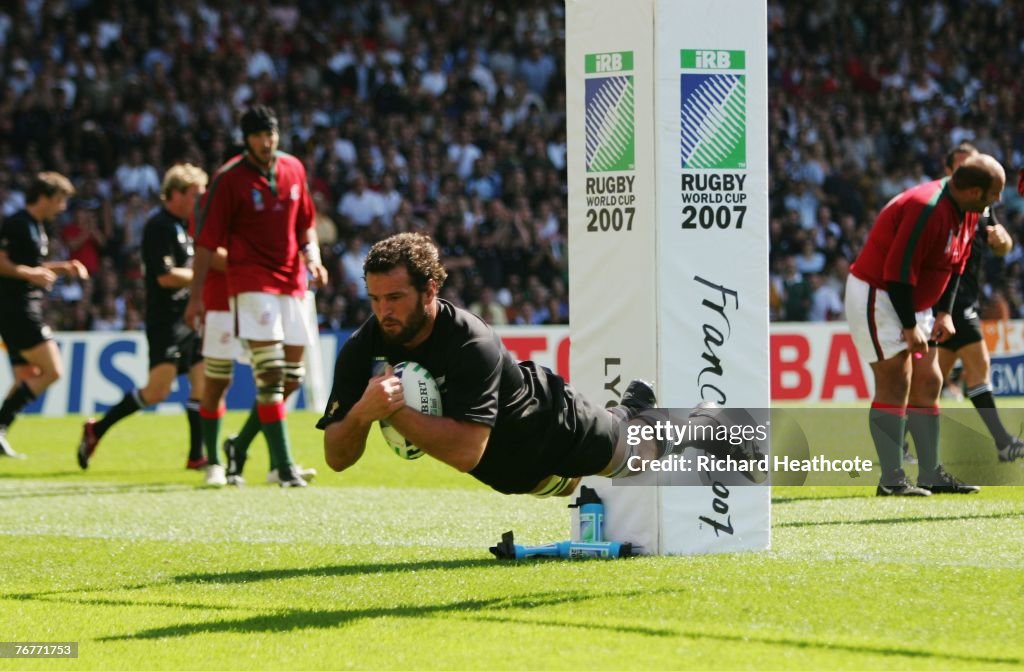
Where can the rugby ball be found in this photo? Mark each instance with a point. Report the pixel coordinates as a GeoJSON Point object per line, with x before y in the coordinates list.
{"type": "Point", "coordinates": [421, 394]}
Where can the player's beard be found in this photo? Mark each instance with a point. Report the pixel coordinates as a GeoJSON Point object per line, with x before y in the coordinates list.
{"type": "Point", "coordinates": [263, 157]}
{"type": "Point", "coordinates": [410, 329]}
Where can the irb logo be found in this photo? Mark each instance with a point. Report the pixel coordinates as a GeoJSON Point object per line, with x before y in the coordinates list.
{"type": "Point", "coordinates": [609, 62]}
{"type": "Point", "coordinates": [713, 109]}
{"type": "Point", "coordinates": [609, 124]}
{"type": "Point", "coordinates": [609, 112]}
{"type": "Point", "coordinates": [718, 60]}
{"type": "Point", "coordinates": [712, 59]}
{"type": "Point", "coordinates": [615, 61]}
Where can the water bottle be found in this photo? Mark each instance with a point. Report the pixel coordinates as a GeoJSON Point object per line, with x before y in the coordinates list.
{"type": "Point", "coordinates": [591, 515]}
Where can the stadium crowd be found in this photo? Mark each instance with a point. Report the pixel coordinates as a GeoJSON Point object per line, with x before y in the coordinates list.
{"type": "Point", "coordinates": [449, 118]}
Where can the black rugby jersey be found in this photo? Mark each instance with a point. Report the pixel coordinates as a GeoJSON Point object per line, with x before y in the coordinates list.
{"type": "Point", "coordinates": [165, 245]}
{"type": "Point", "coordinates": [24, 239]}
{"type": "Point", "coordinates": [532, 427]}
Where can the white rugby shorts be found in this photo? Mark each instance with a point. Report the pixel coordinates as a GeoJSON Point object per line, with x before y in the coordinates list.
{"type": "Point", "coordinates": [874, 324]}
{"type": "Point", "coordinates": [219, 341]}
{"type": "Point", "coordinates": [271, 317]}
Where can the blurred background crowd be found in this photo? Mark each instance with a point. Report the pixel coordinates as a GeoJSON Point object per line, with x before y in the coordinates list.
{"type": "Point", "coordinates": [448, 117]}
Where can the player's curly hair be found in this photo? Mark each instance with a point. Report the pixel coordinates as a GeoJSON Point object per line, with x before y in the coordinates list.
{"type": "Point", "coordinates": [415, 251]}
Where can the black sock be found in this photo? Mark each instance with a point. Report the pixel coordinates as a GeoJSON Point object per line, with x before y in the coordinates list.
{"type": "Point", "coordinates": [14, 403]}
{"type": "Point", "coordinates": [195, 430]}
{"type": "Point", "coordinates": [981, 397]}
{"type": "Point", "coordinates": [132, 402]}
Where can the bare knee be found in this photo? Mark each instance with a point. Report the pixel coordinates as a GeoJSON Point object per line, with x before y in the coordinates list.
{"type": "Point", "coordinates": [44, 368]}
{"type": "Point", "coordinates": [155, 393]}
{"type": "Point", "coordinates": [977, 366]}
{"type": "Point", "coordinates": [158, 387]}
{"type": "Point", "coordinates": [892, 379]}
{"type": "Point", "coordinates": [48, 377]}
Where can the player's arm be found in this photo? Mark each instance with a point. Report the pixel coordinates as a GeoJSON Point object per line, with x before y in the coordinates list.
{"type": "Point", "coordinates": [195, 310]}
{"type": "Point", "coordinates": [72, 268]}
{"type": "Point", "coordinates": [158, 245]}
{"type": "Point", "coordinates": [175, 278]}
{"type": "Point", "coordinates": [311, 255]}
{"type": "Point", "coordinates": [40, 276]}
{"type": "Point", "coordinates": [904, 259]}
{"type": "Point", "coordinates": [459, 444]}
{"type": "Point", "coordinates": [998, 238]}
{"type": "Point", "coordinates": [344, 443]}
{"type": "Point", "coordinates": [901, 295]}
{"type": "Point", "coordinates": [218, 260]}
{"type": "Point", "coordinates": [309, 243]}
{"type": "Point", "coordinates": [345, 439]}
{"type": "Point", "coordinates": [460, 437]}
{"type": "Point", "coordinates": [944, 329]}
{"type": "Point", "coordinates": [211, 217]}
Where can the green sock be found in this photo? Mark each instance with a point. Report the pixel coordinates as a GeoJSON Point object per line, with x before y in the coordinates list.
{"type": "Point", "coordinates": [887, 433]}
{"type": "Point", "coordinates": [248, 433]}
{"type": "Point", "coordinates": [195, 430]}
{"type": "Point", "coordinates": [275, 430]}
{"type": "Point", "coordinates": [924, 427]}
{"type": "Point", "coordinates": [210, 427]}
{"type": "Point", "coordinates": [249, 430]}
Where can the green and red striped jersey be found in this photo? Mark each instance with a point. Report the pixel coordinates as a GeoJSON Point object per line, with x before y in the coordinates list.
{"type": "Point", "coordinates": [259, 218]}
{"type": "Point", "coordinates": [920, 238]}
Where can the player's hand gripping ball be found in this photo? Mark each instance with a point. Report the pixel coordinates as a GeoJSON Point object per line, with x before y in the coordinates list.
{"type": "Point", "coordinates": [421, 394]}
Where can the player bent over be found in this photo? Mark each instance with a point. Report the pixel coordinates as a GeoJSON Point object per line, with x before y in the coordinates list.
{"type": "Point", "coordinates": [516, 427]}
{"type": "Point", "coordinates": [911, 262]}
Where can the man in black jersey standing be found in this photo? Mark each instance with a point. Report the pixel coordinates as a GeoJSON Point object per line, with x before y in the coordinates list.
{"type": "Point", "coordinates": [24, 275]}
{"type": "Point", "coordinates": [967, 344]}
{"type": "Point", "coordinates": [516, 427]}
{"type": "Point", "coordinates": [173, 347]}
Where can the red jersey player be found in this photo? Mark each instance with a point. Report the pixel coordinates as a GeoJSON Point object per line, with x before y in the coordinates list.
{"type": "Point", "coordinates": [259, 209]}
{"type": "Point", "coordinates": [911, 263]}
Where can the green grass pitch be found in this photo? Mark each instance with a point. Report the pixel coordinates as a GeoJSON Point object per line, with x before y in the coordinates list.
{"type": "Point", "coordinates": [386, 566]}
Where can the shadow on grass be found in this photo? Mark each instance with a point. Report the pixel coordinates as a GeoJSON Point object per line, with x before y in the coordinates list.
{"type": "Point", "coordinates": [40, 475]}
{"type": "Point", "coordinates": [329, 619]}
{"type": "Point", "coordinates": [237, 577]}
{"type": "Point", "coordinates": [100, 489]}
{"type": "Point", "coordinates": [63, 598]}
{"type": "Point", "coordinates": [782, 500]}
{"type": "Point", "coordinates": [248, 577]}
{"type": "Point", "coordinates": [478, 609]}
{"type": "Point", "coordinates": [937, 656]}
{"type": "Point", "coordinates": [90, 473]}
{"type": "Point", "coordinates": [902, 520]}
